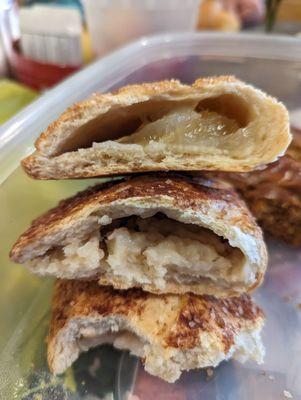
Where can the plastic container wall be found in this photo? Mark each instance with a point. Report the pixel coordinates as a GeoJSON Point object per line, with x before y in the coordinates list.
{"type": "Point", "coordinates": [271, 63]}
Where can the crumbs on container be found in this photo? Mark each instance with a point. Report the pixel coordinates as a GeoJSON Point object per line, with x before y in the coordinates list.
{"type": "Point", "coordinates": [270, 377]}
{"type": "Point", "coordinates": [209, 372]}
{"type": "Point", "coordinates": [287, 394]}
{"type": "Point", "coordinates": [287, 298]}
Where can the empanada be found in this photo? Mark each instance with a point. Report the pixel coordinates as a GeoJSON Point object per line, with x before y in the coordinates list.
{"type": "Point", "coordinates": [163, 233]}
{"type": "Point", "coordinates": [274, 194]}
{"type": "Point", "coordinates": [215, 124]}
{"type": "Point", "coordinates": [170, 333]}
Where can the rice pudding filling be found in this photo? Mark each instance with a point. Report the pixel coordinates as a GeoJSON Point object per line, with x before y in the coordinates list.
{"type": "Point", "coordinates": [154, 250]}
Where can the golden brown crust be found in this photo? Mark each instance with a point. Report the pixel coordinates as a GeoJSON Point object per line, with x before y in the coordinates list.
{"type": "Point", "coordinates": [188, 199]}
{"type": "Point", "coordinates": [100, 100]}
{"type": "Point", "coordinates": [208, 313]}
{"type": "Point", "coordinates": [125, 95]}
{"type": "Point", "coordinates": [81, 298]}
{"type": "Point", "coordinates": [170, 333]}
{"type": "Point", "coordinates": [282, 220]}
{"type": "Point", "coordinates": [193, 315]}
{"type": "Point", "coordinates": [274, 194]}
{"type": "Point", "coordinates": [55, 160]}
{"type": "Point", "coordinates": [184, 192]}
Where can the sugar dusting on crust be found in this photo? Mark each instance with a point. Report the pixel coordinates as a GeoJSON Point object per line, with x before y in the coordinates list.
{"type": "Point", "coordinates": [196, 314]}
{"type": "Point", "coordinates": [80, 298]}
{"type": "Point", "coordinates": [208, 313]}
{"type": "Point", "coordinates": [171, 333]}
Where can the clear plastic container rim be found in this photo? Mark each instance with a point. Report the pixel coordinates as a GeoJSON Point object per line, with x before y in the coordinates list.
{"type": "Point", "coordinates": [17, 135]}
{"type": "Point", "coordinates": [144, 5]}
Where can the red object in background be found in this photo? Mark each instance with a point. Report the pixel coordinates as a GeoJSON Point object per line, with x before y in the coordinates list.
{"type": "Point", "coordinates": [35, 74]}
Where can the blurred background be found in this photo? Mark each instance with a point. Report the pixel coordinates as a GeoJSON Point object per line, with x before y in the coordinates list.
{"type": "Point", "coordinates": [44, 41]}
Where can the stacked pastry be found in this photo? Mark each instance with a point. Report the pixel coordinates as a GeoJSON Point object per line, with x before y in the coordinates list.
{"type": "Point", "coordinates": [160, 264]}
{"type": "Point", "coordinates": [274, 193]}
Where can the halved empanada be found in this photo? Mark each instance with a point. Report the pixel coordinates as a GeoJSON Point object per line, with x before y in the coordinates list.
{"type": "Point", "coordinates": [170, 333]}
{"type": "Point", "coordinates": [274, 194]}
{"type": "Point", "coordinates": [161, 233]}
{"type": "Point", "coordinates": [215, 124]}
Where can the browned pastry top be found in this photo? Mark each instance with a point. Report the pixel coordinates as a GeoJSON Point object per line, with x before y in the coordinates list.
{"type": "Point", "coordinates": [185, 192]}
{"type": "Point", "coordinates": [192, 314]}
{"type": "Point", "coordinates": [281, 180]}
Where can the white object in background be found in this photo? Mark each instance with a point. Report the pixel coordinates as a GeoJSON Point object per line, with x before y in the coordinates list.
{"type": "Point", "coordinates": [112, 23]}
{"type": "Point", "coordinates": [51, 34]}
{"type": "Point", "coordinates": [9, 27]}
{"type": "Point", "coordinates": [3, 65]}
{"type": "Point", "coordinates": [295, 118]}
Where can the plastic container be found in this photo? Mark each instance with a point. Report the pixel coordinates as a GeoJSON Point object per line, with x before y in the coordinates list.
{"type": "Point", "coordinates": [3, 62]}
{"type": "Point", "coordinates": [112, 23]}
{"type": "Point", "coordinates": [13, 98]}
{"type": "Point", "coordinates": [272, 63]}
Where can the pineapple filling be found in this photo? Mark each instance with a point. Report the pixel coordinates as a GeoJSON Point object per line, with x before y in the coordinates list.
{"type": "Point", "coordinates": [186, 126]}
{"type": "Point", "coordinates": [214, 126]}
{"type": "Point", "coordinates": [185, 131]}
{"type": "Point", "coordinates": [155, 250]}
